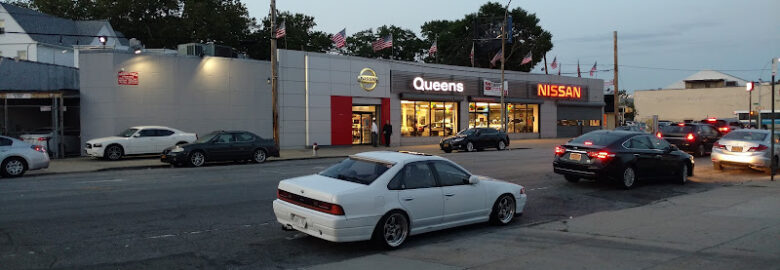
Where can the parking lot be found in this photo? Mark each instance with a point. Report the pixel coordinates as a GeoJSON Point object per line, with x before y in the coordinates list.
{"type": "Point", "coordinates": [220, 216]}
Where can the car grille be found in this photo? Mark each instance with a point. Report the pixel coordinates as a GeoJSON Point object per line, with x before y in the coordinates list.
{"type": "Point", "coordinates": [89, 146]}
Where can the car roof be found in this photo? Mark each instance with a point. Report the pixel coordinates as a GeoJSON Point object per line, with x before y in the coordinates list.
{"type": "Point", "coordinates": [159, 127]}
{"type": "Point", "coordinates": [397, 157]}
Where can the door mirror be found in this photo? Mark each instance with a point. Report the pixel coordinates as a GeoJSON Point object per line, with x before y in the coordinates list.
{"type": "Point", "coordinates": [473, 179]}
{"type": "Point", "coordinates": [137, 135]}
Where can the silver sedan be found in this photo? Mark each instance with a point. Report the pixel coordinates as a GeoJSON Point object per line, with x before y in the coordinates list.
{"type": "Point", "coordinates": [745, 148]}
{"type": "Point", "coordinates": [18, 157]}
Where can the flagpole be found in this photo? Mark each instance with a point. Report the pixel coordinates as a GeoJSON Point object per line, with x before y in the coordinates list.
{"type": "Point", "coordinates": [545, 64]}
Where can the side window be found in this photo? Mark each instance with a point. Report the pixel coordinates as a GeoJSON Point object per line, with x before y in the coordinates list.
{"type": "Point", "coordinates": [6, 142]}
{"type": "Point", "coordinates": [418, 175]}
{"type": "Point", "coordinates": [639, 142]}
{"type": "Point", "coordinates": [397, 182]}
{"type": "Point", "coordinates": [147, 133]}
{"type": "Point", "coordinates": [450, 175]}
{"type": "Point", "coordinates": [164, 132]}
{"type": "Point", "coordinates": [225, 138]}
{"type": "Point", "coordinates": [658, 143]}
{"type": "Point", "coordinates": [244, 137]}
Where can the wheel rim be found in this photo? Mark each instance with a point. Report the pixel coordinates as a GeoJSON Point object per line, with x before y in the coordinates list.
{"type": "Point", "coordinates": [259, 156]}
{"type": "Point", "coordinates": [685, 173]}
{"type": "Point", "coordinates": [395, 230]}
{"type": "Point", "coordinates": [470, 147]}
{"type": "Point", "coordinates": [14, 167]}
{"type": "Point", "coordinates": [114, 152]}
{"type": "Point", "coordinates": [628, 177]}
{"type": "Point", "coordinates": [197, 159]}
{"type": "Point", "coordinates": [506, 209]}
{"type": "Point", "coordinates": [501, 145]}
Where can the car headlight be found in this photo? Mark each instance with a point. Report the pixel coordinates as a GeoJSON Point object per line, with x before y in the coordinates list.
{"type": "Point", "coordinates": [97, 145]}
{"type": "Point", "coordinates": [457, 140]}
{"type": "Point", "coordinates": [177, 149]}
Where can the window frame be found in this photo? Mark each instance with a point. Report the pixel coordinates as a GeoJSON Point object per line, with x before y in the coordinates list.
{"type": "Point", "coordinates": [151, 130]}
{"type": "Point", "coordinates": [216, 138]}
{"type": "Point", "coordinates": [402, 185]}
{"type": "Point", "coordinates": [438, 177]}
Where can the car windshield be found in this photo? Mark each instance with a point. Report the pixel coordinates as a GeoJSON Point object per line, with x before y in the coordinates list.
{"type": "Point", "coordinates": [206, 137]}
{"type": "Point", "coordinates": [745, 136]}
{"type": "Point", "coordinates": [678, 129]}
{"type": "Point", "coordinates": [128, 132]}
{"type": "Point", "coordinates": [597, 138]}
{"type": "Point", "coordinates": [467, 132]}
{"type": "Point", "coordinates": [356, 170]}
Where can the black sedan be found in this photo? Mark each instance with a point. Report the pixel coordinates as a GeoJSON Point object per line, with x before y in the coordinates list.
{"type": "Point", "coordinates": [621, 156]}
{"type": "Point", "coordinates": [236, 146]}
{"type": "Point", "coordinates": [475, 139]}
{"type": "Point", "coordinates": [690, 137]}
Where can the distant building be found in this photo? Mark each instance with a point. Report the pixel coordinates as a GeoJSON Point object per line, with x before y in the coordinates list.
{"type": "Point", "coordinates": [708, 79]}
{"type": "Point", "coordinates": [26, 34]}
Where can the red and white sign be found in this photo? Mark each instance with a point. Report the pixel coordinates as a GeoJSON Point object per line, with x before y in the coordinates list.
{"type": "Point", "coordinates": [490, 88]}
{"type": "Point", "coordinates": [127, 78]}
{"type": "Point", "coordinates": [749, 86]}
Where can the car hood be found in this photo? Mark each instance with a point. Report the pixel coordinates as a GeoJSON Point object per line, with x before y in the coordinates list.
{"type": "Point", "coordinates": [107, 139]}
{"type": "Point", "coordinates": [453, 137]}
{"type": "Point", "coordinates": [318, 187]}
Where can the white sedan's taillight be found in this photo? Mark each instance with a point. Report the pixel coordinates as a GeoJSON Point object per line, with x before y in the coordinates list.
{"type": "Point", "coordinates": [39, 148]}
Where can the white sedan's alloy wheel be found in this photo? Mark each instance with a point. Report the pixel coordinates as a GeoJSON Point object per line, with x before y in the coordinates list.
{"type": "Point", "coordinates": [114, 152]}
{"type": "Point", "coordinates": [395, 229]}
{"type": "Point", "coordinates": [14, 167]}
{"type": "Point", "coordinates": [506, 209]}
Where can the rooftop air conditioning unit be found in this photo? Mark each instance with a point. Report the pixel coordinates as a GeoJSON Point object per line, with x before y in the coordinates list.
{"type": "Point", "coordinates": [192, 49]}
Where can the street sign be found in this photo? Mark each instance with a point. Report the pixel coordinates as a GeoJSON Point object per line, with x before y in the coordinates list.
{"type": "Point", "coordinates": [749, 86]}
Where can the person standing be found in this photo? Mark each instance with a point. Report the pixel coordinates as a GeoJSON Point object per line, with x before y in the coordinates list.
{"type": "Point", "coordinates": [387, 130]}
{"type": "Point", "coordinates": [374, 132]}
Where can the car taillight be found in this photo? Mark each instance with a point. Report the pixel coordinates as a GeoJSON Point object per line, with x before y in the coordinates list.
{"type": "Point", "coordinates": [690, 137]}
{"type": "Point", "coordinates": [39, 148]}
{"type": "Point", "coordinates": [329, 208]}
{"type": "Point", "coordinates": [600, 154]}
{"type": "Point", "coordinates": [40, 139]}
{"type": "Point", "coordinates": [724, 129]}
{"type": "Point", "coordinates": [718, 145]}
{"type": "Point", "coordinates": [559, 150]}
{"type": "Point", "coordinates": [758, 148]}
{"type": "Point", "coordinates": [658, 134]}
{"type": "Point", "coordinates": [325, 207]}
{"type": "Point", "coordinates": [522, 190]}
{"type": "Point", "coordinates": [281, 194]}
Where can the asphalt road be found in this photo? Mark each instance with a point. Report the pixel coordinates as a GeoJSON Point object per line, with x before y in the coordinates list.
{"type": "Point", "coordinates": [220, 217]}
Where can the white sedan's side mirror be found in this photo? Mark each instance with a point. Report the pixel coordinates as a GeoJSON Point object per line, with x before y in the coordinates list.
{"type": "Point", "coordinates": [473, 179]}
{"type": "Point", "coordinates": [136, 135]}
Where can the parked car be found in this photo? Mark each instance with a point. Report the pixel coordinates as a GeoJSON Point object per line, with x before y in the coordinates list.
{"type": "Point", "coordinates": [136, 141]}
{"type": "Point", "coordinates": [18, 157]}
{"type": "Point", "coordinates": [387, 196]}
{"type": "Point", "coordinates": [42, 136]}
{"type": "Point", "coordinates": [663, 123]}
{"type": "Point", "coordinates": [475, 139]}
{"type": "Point", "coordinates": [635, 128]}
{"type": "Point", "coordinates": [622, 156]}
{"type": "Point", "coordinates": [723, 125]}
{"type": "Point", "coordinates": [693, 138]}
{"type": "Point", "coordinates": [745, 148]}
{"type": "Point", "coordinates": [221, 146]}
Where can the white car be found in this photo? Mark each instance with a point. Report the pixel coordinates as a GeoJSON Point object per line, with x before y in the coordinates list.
{"type": "Point", "coordinates": [387, 196]}
{"type": "Point", "coordinates": [136, 141]}
{"type": "Point", "coordinates": [745, 148]}
{"type": "Point", "coordinates": [18, 157]}
{"type": "Point", "coordinates": [42, 136]}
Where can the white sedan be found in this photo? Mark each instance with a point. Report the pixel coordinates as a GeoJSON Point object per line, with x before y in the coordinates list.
{"type": "Point", "coordinates": [387, 196]}
{"type": "Point", "coordinates": [18, 157]}
{"type": "Point", "coordinates": [136, 141]}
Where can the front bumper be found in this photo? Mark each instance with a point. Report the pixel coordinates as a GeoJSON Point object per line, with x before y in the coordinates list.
{"type": "Point", "coordinates": [318, 224]}
{"type": "Point", "coordinates": [173, 157]}
{"type": "Point", "coordinates": [94, 152]}
{"type": "Point", "coordinates": [520, 200]}
{"type": "Point", "coordinates": [459, 145]}
{"type": "Point", "coordinates": [747, 159]}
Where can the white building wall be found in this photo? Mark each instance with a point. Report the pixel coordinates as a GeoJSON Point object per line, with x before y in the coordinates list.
{"type": "Point", "coordinates": [10, 44]}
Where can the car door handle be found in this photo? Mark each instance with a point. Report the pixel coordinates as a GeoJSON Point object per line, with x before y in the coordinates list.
{"type": "Point", "coordinates": [449, 194]}
{"type": "Point", "coordinates": [658, 156]}
{"type": "Point", "coordinates": [636, 155]}
{"type": "Point", "coordinates": [408, 199]}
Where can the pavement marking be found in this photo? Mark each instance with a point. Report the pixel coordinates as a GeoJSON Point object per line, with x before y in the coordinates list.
{"type": "Point", "coordinates": [161, 236]}
{"type": "Point", "coordinates": [539, 188]}
{"type": "Point", "coordinates": [103, 181]}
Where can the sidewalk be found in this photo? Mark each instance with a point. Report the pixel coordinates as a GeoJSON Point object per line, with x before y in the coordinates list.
{"type": "Point", "coordinates": [88, 164]}
{"type": "Point", "coordinates": [735, 227]}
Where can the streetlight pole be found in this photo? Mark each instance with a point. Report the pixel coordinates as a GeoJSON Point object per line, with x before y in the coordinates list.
{"type": "Point", "coordinates": [503, 59]}
{"type": "Point", "coordinates": [772, 138]}
{"type": "Point", "coordinates": [274, 75]}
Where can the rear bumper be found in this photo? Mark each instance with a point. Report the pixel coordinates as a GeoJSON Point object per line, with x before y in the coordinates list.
{"type": "Point", "coordinates": [320, 225]}
{"type": "Point", "coordinates": [38, 162]}
{"type": "Point", "coordinates": [739, 159]}
{"type": "Point", "coordinates": [595, 171]}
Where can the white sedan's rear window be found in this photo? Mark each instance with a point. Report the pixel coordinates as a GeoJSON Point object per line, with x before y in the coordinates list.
{"type": "Point", "coordinates": [356, 170]}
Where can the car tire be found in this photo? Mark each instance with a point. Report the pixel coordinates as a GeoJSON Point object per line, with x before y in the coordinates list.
{"type": "Point", "coordinates": [447, 150]}
{"type": "Point", "coordinates": [572, 178]}
{"type": "Point", "coordinates": [503, 211]}
{"type": "Point", "coordinates": [196, 159]}
{"type": "Point", "coordinates": [259, 156]}
{"type": "Point", "coordinates": [501, 145]}
{"type": "Point", "coordinates": [470, 147]}
{"type": "Point", "coordinates": [717, 166]}
{"type": "Point", "coordinates": [113, 152]}
{"type": "Point", "coordinates": [700, 151]}
{"type": "Point", "coordinates": [392, 230]}
{"type": "Point", "coordinates": [683, 174]}
{"type": "Point", "coordinates": [628, 178]}
{"type": "Point", "coordinates": [13, 167]}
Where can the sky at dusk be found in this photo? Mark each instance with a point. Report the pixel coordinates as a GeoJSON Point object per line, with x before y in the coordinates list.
{"type": "Point", "coordinates": [660, 42]}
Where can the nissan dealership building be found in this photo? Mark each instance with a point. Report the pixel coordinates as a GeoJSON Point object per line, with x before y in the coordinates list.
{"type": "Point", "coordinates": [328, 99]}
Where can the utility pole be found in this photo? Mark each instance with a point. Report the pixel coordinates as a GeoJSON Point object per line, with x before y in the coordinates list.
{"type": "Point", "coordinates": [772, 138]}
{"type": "Point", "coordinates": [503, 59]}
{"type": "Point", "coordinates": [274, 75]}
{"type": "Point", "coordinates": [616, 97]}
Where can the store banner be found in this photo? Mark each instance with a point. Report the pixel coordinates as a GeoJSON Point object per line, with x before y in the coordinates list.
{"type": "Point", "coordinates": [490, 88]}
{"type": "Point", "coordinates": [127, 78]}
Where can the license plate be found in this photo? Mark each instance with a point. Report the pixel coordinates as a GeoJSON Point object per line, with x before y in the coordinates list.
{"type": "Point", "coordinates": [163, 157]}
{"type": "Point", "coordinates": [736, 149]}
{"type": "Point", "coordinates": [575, 156]}
{"type": "Point", "coordinates": [446, 145]}
{"type": "Point", "coordinates": [299, 221]}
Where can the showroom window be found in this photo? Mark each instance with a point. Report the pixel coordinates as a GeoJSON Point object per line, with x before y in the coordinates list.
{"type": "Point", "coordinates": [426, 118]}
{"type": "Point", "coordinates": [521, 118]}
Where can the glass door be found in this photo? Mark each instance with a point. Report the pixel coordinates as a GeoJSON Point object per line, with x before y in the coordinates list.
{"type": "Point", "coordinates": [366, 127]}
{"type": "Point", "coordinates": [356, 128]}
{"type": "Point", "coordinates": [362, 116]}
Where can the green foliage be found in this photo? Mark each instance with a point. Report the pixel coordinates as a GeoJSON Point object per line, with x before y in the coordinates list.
{"type": "Point", "coordinates": [406, 45]}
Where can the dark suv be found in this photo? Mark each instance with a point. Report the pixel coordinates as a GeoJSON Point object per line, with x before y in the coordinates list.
{"type": "Point", "coordinates": [475, 139]}
{"type": "Point", "coordinates": [693, 138]}
{"type": "Point", "coordinates": [723, 125]}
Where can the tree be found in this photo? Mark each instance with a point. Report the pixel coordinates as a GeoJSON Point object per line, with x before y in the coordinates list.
{"type": "Point", "coordinates": [456, 38]}
{"type": "Point", "coordinates": [406, 45]}
{"type": "Point", "coordinates": [300, 35]}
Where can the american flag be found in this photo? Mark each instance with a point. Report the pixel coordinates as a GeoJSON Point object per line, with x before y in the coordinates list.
{"type": "Point", "coordinates": [383, 43]}
{"type": "Point", "coordinates": [554, 64]}
{"type": "Point", "coordinates": [434, 48]}
{"type": "Point", "coordinates": [496, 58]}
{"type": "Point", "coordinates": [593, 69]}
{"type": "Point", "coordinates": [340, 39]}
{"type": "Point", "coordinates": [281, 31]}
{"type": "Point", "coordinates": [527, 59]}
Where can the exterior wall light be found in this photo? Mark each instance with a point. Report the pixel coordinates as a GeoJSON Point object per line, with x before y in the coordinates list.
{"type": "Point", "coordinates": [103, 40]}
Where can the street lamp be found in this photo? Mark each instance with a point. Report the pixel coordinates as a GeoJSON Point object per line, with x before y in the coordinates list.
{"type": "Point", "coordinates": [503, 59]}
